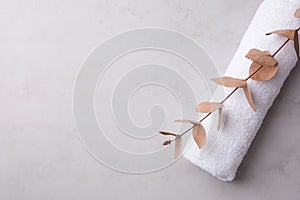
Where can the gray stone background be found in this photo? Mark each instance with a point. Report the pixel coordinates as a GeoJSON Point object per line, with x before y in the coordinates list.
{"type": "Point", "coordinates": [42, 45]}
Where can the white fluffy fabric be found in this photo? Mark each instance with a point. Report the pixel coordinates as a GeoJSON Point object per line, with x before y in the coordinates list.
{"type": "Point", "coordinates": [242, 123]}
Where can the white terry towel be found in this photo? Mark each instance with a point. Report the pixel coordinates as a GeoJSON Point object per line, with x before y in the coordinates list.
{"type": "Point", "coordinates": [242, 123]}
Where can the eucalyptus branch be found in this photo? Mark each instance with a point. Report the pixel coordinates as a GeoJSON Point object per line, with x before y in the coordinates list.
{"type": "Point", "coordinates": [259, 67]}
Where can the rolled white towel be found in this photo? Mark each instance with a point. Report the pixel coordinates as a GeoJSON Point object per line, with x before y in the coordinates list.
{"type": "Point", "coordinates": [242, 123]}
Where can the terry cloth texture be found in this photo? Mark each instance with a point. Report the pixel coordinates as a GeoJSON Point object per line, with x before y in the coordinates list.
{"type": "Point", "coordinates": [242, 123]}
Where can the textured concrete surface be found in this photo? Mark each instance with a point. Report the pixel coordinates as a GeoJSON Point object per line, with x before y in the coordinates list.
{"type": "Point", "coordinates": [42, 45]}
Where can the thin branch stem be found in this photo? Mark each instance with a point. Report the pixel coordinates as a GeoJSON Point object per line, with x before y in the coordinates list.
{"type": "Point", "coordinates": [235, 89]}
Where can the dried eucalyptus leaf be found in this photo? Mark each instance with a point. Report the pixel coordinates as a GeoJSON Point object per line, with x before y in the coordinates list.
{"type": "Point", "coordinates": [220, 118]}
{"type": "Point", "coordinates": [254, 51]}
{"type": "Point", "coordinates": [167, 133]}
{"type": "Point", "coordinates": [264, 74]}
{"type": "Point", "coordinates": [178, 146]}
{"type": "Point", "coordinates": [288, 33]}
{"type": "Point", "coordinates": [186, 121]}
{"type": "Point", "coordinates": [248, 95]}
{"type": "Point", "coordinates": [229, 81]}
{"type": "Point", "coordinates": [167, 142]}
{"type": "Point", "coordinates": [297, 13]}
{"type": "Point", "coordinates": [207, 107]}
{"type": "Point", "coordinates": [261, 57]}
{"type": "Point", "coordinates": [199, 135]}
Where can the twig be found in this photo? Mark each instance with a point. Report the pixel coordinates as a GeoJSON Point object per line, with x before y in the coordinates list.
{"type": "Point", "coordinates": [234, 90]}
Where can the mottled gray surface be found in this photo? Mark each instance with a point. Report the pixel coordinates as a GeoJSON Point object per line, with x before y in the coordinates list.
{"type": "Point", "coordinates": [42, 44]}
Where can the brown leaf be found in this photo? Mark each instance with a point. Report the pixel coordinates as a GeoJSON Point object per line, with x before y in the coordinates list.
{"type": "Point", "coordinates": [297, 13]}
{"type": "Point", "coordinates": [264, 74]}
{"type": "Point", "coordinates": [296, 43]}
{"type": "Point", "coordinates": [249, 97]}
{"type": "Point", "coordinates": [186, 121]}
{"type": "Point", "coordinates": [178, 145]}
{"type": "Point", "coordinates": [167, 133]}
{"type": "Point", "coordinates": [167, 142]}
{"type": "Point", "coordinates": [261, 57]}
{"type": "Point", "coordinates": [229, 81]}
{"type": "Point", "coordinates": [220, 118]}
{"type": "Point", "coordinates": [254, 51]}
{"type": "Point", "coordinates": [207, 107]}
{"type": "Point", "coordinates": [288, 33]}
{"type": "Point", "coordinates": [199, 135]}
